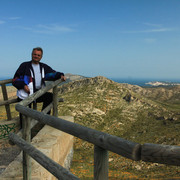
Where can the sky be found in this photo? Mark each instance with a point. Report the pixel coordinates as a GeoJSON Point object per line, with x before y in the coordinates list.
{"type": "Point", "coordinates": [111, 38]}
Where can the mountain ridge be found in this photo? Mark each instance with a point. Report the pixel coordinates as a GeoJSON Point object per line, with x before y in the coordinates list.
{"type": "Point", "coordinates": [124, 110]}
{"type": "Point", "coordinates": [106, 95]}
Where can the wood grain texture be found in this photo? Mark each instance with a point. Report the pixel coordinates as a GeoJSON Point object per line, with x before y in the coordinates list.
{"type": "Point", "coordinates": [27, 137]}
{"type": "Point", "coordinates": [164, 154]}
{"type": "Point", "coordinates": [7, 81]}
{"type": "Point", "coordinates": [7, 102]}
{"type": "Point", "coordinates": [5, 96]}
{"type": "Point", "coordinates": [101, 159]}
{"type": "Point", "coordinates": [115, 144]}
{"type": "Point", "coordinates": [54, 168]}
{"type": "Point", "coordinates": [55, 101]}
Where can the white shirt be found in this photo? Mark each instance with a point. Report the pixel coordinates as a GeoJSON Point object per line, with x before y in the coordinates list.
{"type": "Point", "coordinates": [37, 73]}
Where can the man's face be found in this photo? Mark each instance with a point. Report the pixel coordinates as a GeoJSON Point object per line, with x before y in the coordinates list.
{"type": "Point", "coordinates": [36, 56]}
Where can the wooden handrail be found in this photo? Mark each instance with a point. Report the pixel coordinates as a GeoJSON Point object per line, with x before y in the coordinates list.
{"type": "Point", "coordinates": [7, 81]}
{"type": "Point", "coordinates": [7, 102]}
{"type": "Point", "coordinates": [39, 93]}
{"type": "Point", "coordinates": [112, 143]}
{"type": "Point", "coordinates": [57, 170]}
{"type": "Point", "coordinates": [103, 142]}
{"type": "Point", "coordinates": [5, 96]}
{"type": "Point", "coordinates": [163, 154]}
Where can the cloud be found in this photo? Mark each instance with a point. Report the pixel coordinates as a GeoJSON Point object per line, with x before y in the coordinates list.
{"type": "Point", "coordinates": [150, 30]}
{"type": "Point", "coordinates": [10, 18]}
{"type": "Point", "coordinates": [24, 28]}
{"type": "Point", "coordinates": [14, 18]}
{"type": "Point", "coordinates": [150, 40]}
{"type": "Point", "coordinates": [153, 25]}
{"type": "Point", "coordinates": [158, 30]}
{"type": "Point", "coordinates": [53, 28]}
{"type": "Point", "coordinates": [2, 22]}
{"type": "Point", "coordinates": [48, 29]}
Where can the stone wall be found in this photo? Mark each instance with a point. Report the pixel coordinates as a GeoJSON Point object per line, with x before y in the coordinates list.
{"type": "Point", "coordinates": [53, 143]}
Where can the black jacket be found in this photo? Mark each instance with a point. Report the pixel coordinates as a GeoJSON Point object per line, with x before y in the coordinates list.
{"type": "Point", "coordinates": [25, 76]}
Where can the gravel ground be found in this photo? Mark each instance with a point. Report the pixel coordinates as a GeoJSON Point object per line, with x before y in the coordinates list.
{"type": "Point", "coordinates": [8, 153]}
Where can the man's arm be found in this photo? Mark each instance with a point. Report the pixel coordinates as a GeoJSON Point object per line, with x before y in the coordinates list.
{"type": "Point", "coordinates": [19, 79]}
{"type": "Point", "coordinates": [52, 75]}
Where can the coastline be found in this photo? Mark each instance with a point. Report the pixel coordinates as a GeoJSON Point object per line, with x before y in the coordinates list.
{"type": "Point", "coordinates": [147, 82]}
{"type": "Point", "coordinates": [143, 82]}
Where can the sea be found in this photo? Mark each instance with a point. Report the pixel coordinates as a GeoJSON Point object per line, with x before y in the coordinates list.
{"type": "Point", "coordinates": [143, 82]}
{"type": "Point", "coordinates": [146, 82]}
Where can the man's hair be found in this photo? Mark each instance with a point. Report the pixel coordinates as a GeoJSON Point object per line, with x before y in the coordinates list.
{"type": "Point", "coordinates": [38, 49]}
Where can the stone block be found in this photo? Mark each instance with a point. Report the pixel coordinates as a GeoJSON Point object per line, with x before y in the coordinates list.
{"type": "Point", "coordinates": [54, 143]}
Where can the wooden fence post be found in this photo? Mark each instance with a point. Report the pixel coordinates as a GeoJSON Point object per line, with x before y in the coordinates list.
{"type": "Point", "coordinates": [55, 101]}
{"type": "Point", "coordinates": [5, 96]}
{"type": "Point", "coordinates": [34, 105]}
{"type": "Point", "coordinates": [100, 163]}
{"type": "Point", "coordinates": [27, 137]}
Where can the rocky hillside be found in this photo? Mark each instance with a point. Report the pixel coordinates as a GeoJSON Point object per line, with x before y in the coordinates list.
{"type": "Point", "coordinates": [102, 96]}
{"type": "Point", "coordinates": [72, 77]}
{"type": "Point", "coordinates": [169, 94]}
{"type": "Point", "coordinates": [131, 112]}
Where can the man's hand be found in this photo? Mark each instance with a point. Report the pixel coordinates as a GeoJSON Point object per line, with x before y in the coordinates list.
{"type": "Point", "coordinates": [63, 78]}
{"type": "Point", "coordinates": [26, 88]}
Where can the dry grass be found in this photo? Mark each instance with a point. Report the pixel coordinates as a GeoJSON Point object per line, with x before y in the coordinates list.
{"type": "Point", "coordinates": [11, 91]}
{"type": "Point", "coordinates": [137, 121]}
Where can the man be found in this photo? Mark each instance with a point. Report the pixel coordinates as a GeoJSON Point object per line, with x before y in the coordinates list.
{"type": "Point", "coordinates": [31, 76]}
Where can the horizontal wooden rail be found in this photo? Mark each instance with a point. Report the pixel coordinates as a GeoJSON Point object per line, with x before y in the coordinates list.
{"type": "Point", "coordinates": [103, 142]}
{"type": "Point", "coordinates": [5, 97]}
{"type": "Point", "coordinates": [45, 111]}
{"type": "Point", "coordinates": [57, 170]}
{"type": "Point", "coordinates": [7, 81]}
{"type": "Point", "coordinates": [163, 154]}
{"type": "Point", "coordinates": [34, 121]}
{"type": "Point", "coordinates": [10, 101]}
{"type": "Point", "coordinates": [39, 93]}
{"type": "Point", "coordinates": [115, 144]}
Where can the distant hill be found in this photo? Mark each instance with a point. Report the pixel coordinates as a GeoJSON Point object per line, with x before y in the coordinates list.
{"type": "Point", "coordinates": [143, 115]}
{"type": "Point", "coordinates": [162, 83]}
{"type": "Point", "coordinates": [73, 77]}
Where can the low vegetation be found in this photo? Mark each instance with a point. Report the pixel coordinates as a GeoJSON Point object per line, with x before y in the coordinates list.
{"type": "Point", "coordinates": [142, 115]}
{"type": "Point", "coordinates": [127, 111]}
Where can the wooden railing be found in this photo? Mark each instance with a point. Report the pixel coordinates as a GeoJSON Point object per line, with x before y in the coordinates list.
{"type": "Point", "coordinates": [9, 123]}
{"type": "Point", "coordinates": [103, 142]}
{"type": "Point", "coordinates": [6, 101]}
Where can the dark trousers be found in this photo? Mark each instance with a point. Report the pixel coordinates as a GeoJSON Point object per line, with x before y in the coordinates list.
{"type": "Point", "coordinates": [46, 99]}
